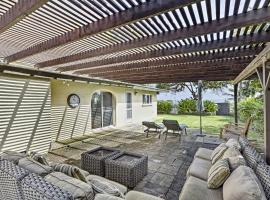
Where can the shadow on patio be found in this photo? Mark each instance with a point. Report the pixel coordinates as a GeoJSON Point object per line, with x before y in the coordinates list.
{"type": "Point", "coordinates": [168, 160]}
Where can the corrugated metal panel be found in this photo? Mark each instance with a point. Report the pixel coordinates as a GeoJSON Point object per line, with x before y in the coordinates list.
{"type": "Point", "coordinates": [25, 114]}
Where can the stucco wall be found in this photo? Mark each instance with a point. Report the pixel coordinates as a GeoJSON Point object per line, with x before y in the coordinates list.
{"type": "Point", "coordinates": [60, 91]}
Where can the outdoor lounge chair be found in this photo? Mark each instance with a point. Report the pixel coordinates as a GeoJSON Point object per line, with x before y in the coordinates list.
{"type": "Point", "coordinates": [152, 125]}
{"type": "Point", "coordinates": [174, 126]}
{"type": "Point", "coordinates": [235, 130]}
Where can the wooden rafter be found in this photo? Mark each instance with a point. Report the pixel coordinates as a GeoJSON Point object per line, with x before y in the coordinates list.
{"type": "Point", "coordinates": [232, 22]}
{"type": "Point", "coordinates": [166, 67]}
{"type": "Point", "coordinates": [145, 10]}
{"type": "Point", "coordinates": [177, 71]}
{"type": "Point", "coordinates": [226, 43]}
{"type": "Point", "coordinates": [19, 11]}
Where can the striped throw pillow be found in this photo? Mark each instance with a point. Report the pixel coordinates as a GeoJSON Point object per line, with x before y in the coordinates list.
{"type": "Point", "coordinates": [218, 174]}
{"type": "Point", "coordinates": [105, 188]}
{"type": "Point", "coordinates": [218, 152]}
{"type": "Point", "coordinates": [71, 171]}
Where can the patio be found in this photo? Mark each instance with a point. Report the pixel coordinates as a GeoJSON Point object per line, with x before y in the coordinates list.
{"type": "Point", "coordinates": [73, 72]}
{"type": "Point", "coordinates": [168, 159]}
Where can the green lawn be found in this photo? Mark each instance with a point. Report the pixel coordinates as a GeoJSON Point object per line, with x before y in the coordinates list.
{"type": "Point", "coordinates": [211, 124]}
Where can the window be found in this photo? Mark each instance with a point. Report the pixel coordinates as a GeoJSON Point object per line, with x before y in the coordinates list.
{"type": "Point", "coordinates": [147, 99]}
{"type": "Point", "coordinates": [129, 105]}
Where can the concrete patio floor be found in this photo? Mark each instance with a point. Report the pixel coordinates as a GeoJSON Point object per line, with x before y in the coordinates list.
{"type": "Point", "coordinates": [168, 160]}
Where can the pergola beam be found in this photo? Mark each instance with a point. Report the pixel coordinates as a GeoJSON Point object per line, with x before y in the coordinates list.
{"type": "Point", "coordinates": [140, 12]}
{"type": "Point", "coordinates": [178, 79]}
{"type": "Point", "coordinates": [257, 62]}
{"type": "Point", "coordinates": [19, 11]}
{"type": "Point", "coordinates": [207, 72]}
{"type": "Point", "coordinates": [143, 69]}
{"type": "Point", "coordinates": [232, 22]}
{"type": "Point", "coordinates": [203, 57]}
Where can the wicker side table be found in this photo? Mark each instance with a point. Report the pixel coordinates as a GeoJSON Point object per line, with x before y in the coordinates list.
{"type": "Point", "coordinates": [126, 168]}
{"type": "Point", "coordinates": [93, 160]}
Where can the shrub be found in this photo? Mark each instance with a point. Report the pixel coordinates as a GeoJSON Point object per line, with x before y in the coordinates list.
{"type": "Point", "coordinates": [252, 107]}
{"type": "Point", "coordinates": [210, 106]}
{"type": "Point", "coordinates": [164, 107]}
{"type": "Point", "coordinates": [187, 106]}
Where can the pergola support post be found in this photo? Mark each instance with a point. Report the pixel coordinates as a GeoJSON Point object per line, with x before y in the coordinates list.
{"type": "Point", "coordinates": [264, 76]}
{"type": "Point", "coordinates": [235, 103]}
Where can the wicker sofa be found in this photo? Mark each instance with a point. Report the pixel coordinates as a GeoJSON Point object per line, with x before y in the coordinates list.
{"type": "Point", "coordinates": [19, 183]}
{"type": "Point", "coordinates": [196, 188]}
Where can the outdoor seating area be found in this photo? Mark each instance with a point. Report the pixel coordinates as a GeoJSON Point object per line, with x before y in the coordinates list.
{"type": "Point", "coordinates": [82, 110]}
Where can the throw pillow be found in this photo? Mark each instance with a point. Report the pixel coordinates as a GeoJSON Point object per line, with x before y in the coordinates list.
{"type": "Point", "coordinates": [13, 156]}
{"type": "Point", "coordinates": [39, 158]}
{"type": "Point", "coordinates": [218, 152]}
{"type": "Point", "coordinates": [243, 184]}
{"type": "Point", "coordinates": [34, 166]}
{"type": "Point", "coordinates": [231, 152]}
{"type": "Point", "coordinates": [236, 161]}
{"type": "Point", "coordinates": [105, 188]}
{"type": "Point", "coordinates": [71, 171]}
{"type": "Point", "coordinates": [263, 174]}
{"type": "Point", "coordinates": [233, 143]}
{"type": "Point", "coordinates": [77, 188]}
{"type": "Point", "coordinates": [218, 174]}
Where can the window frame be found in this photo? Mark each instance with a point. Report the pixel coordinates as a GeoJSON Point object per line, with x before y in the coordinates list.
{"type": "Point", "coordinates": [147, 99]}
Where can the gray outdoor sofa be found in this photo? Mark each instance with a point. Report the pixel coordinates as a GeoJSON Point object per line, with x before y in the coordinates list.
{"type": "Point", "coordinates": [17, 182]}
{"type": "Point", "coordinates": [196, 188]}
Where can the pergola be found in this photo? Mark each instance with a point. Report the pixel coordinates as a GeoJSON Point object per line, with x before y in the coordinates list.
{"type": "Point", "coordinates": [136, 41]}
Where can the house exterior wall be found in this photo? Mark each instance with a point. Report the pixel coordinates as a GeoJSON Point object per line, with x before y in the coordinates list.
{"type": "Point", "coordinates": [70, 126]}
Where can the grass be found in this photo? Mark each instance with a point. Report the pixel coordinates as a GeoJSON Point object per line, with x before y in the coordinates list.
{"type": "Point", "coordinates": [210, 124]}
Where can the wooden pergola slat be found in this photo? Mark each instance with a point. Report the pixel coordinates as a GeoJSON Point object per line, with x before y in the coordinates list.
{"type": "Point", "coordinates": [232, 22]}
{"type": "Point", "coordinates": [226, 43]}
{"type": "Point", "coordinates": [136, 13]}
{"type": "Point", "coordinates": [19, 11]}
{"type": "Point", "coordinates": [197, 58]}
{"type": "Point", "coordinates": [177, 71]}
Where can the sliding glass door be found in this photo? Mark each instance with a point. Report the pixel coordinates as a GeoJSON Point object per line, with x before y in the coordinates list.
{"type": "Point", "coordinates": [101, 109]}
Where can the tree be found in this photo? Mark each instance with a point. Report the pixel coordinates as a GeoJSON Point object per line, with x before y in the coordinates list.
{"type": "Point", "coordinates": [193, 86]}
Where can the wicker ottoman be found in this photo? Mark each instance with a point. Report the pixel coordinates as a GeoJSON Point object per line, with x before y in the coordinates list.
{"type": "Point", "coordinates": [126, 168]}
{"type": "Point", "coordinates": [93, 161]}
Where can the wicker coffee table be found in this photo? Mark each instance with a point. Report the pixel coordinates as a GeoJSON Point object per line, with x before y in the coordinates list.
{"type": "Point", "coordinates": [93, 161]}
{"type": "Point", "coordinates": [126, 168]}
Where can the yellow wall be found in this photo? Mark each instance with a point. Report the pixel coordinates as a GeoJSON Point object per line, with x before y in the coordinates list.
{"type": "Point", "coordinates": [61, 89]}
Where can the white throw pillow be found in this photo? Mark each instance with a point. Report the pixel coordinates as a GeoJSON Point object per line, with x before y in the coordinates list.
{"type": "Point", "coordinates": [243, 184]}
{"type": "Point", "coordinates": [233, 143]}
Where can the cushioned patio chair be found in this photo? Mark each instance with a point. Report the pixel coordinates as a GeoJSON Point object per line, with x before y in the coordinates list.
{"type": "Point", "coordinates": [233, 130]}
{"type": "Point", "coordinates": [174, 126]}
{"type": "Point", "coordinates": [152, 125]}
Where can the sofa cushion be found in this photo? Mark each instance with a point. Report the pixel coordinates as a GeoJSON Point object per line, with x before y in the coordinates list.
{"type": "Point", "coordinates": [233, 143]}
{"type": "Point", "coordinates": [34, 166]}
{"type": "Point", "coordinates": [252, 157]}
{"type": "Point", "coordinates": [243, 184]}
{"type": "Point", "coordinates": [71, 171]}
{"type": "Point", "coordinates": [10, 180]}
{"type": "Point", "coordinates": [199, 168]}
{"type": "Point", "coordinates": [105, 187]}
{"type": "Point", "coordinates": [263, 174]}
{"type": "Point", "coordinates": [218, 174]}
{"type": "Point", "coordinates": [218, 152]}
{"type": "Point", "coordinates": [120, 187]}
{"type": "Point", "coordinates": [78, 189]}
{"type": "Point", "coordinates": [204, 153]}
{"type": "Point", "coordinates": [134, 195]}
{"type": "Point", "coordinates": [13, 156]}
{"type": "Point", "coordinates": [196, 189]}
{"type": "Point", "coordinates": [35, 187]}
{"type": "Point", "coordinates": [106, 197]}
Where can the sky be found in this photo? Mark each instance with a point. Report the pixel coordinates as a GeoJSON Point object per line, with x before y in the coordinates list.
{"type": "Point", "coordinates": [216, 96]}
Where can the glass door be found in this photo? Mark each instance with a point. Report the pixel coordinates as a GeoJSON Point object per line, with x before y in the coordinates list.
{"type": "Point", "coordinates": [101, 109]}
{"type": "Point", "coordinates": [129, 105]}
